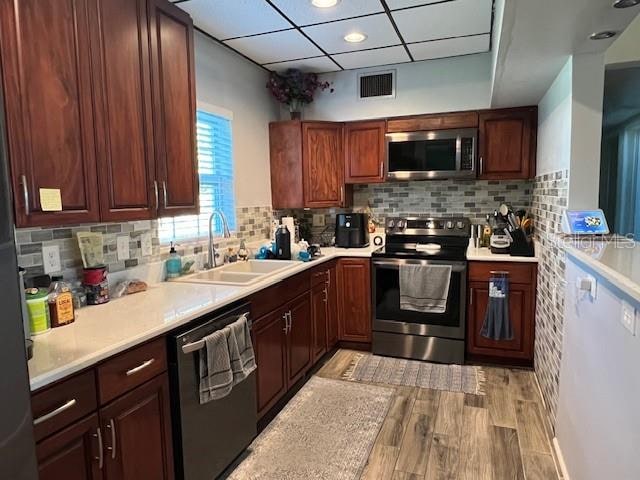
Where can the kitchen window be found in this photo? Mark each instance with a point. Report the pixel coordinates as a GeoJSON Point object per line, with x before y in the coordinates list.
{"type": "Point", "coordinates": [215, 170]}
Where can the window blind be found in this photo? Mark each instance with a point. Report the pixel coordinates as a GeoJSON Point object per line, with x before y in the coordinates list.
{"type": "Point", "coordinates": [215, 170]}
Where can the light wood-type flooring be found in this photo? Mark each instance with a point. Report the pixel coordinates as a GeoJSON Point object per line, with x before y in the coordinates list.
{"type": "Point", "coordinates": [437, 435]}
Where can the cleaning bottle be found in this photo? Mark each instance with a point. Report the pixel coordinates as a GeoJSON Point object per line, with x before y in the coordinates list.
{"type": "Point", "coordinates": [174, 263]}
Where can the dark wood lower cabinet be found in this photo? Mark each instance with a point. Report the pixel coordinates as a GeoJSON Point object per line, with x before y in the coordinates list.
{"type": "Point", "coordinates": [354, 299]}
{"type": "Point", "coordinates": [522, 308]}
{"type": "Point", "coordinates": [136, 430]}
{"type": "Point", "coordinates": [319, 315]}
{"type": "Point", "coordinates": [72, 454]}
{"type": "Point", "coordinates": [332, 307]}
{"type": "Point", "coordinates": [299, 338]}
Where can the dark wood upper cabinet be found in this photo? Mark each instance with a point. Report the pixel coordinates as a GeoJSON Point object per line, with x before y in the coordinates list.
{"type": "Point", "coordinates": [136, 431]}
{"type": "Point", "coordinates": [365, 151]}
{"type": "Point", "coordinates": [322, 164]}
{"type": "Point", "coordinates": [285, 152]}
{"type": "Point", "coordinates": [174, 107]}
{"type": "Point", "coordinates": [507, 143]}
{"type": "Point", "coordinates": [354, 299]}
{"type": "Point", "coordinates": [72, 454]}
{"type": "Point", "coordinates": [438, 121]}
{"type": "Point", "coordinates": [46, 68]}
{"type": "Point", "coordinates": [126, 163]}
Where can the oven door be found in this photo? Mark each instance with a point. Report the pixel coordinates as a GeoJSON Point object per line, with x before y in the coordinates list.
{"type": "Point", "coordinates": [429, 155]}
{"type": "Point", "coordinates": [389, 317]}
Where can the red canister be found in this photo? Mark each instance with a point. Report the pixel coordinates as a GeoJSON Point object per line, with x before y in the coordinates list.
{"type": "Point", "coordinates": [94, 280]}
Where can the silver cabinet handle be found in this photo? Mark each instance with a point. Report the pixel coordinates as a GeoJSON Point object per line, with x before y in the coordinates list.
{"type": "Point", "coordinates": [112, 448]}
{"type": "Point", "coordinates": [290, 320]}
{"type": "Point", "coordinates": [326, 296]}
{"type": "Point", "coordinates": [164, 193]}
{"type": "Point", "coordinates": [100, 456]}
{"type": "Point", "coordinates": [471, 296]}
{"type": "Point", "coordinates": [481, 164]}
{"type": "Point", "coordinates": [285, 317]}
{"type": "Point", "coordinates": [328, 279]}
{"type": "Point", "coordinates": [25, 194]}
{"type": "Point", "coordinates": [155, 189]}
{"type": "Point", "coordinates": [57, 411]}
{"type": "Point", "coordinates": [382, 170]}
{"type": "Point", "coordinates": [142, 366]}
{"type": "Point", "coordinates": [342, 194]}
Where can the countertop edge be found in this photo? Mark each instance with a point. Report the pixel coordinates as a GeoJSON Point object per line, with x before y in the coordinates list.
{"type": "Point", "coordinates": [45, 379]}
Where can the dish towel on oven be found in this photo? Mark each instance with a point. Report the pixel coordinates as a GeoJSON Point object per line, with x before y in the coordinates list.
{"type": "Point", "coordinates": [216, 377]}
{"type": "Point", "coordinates": [424, 288]}
{"type": "Point", "coordinates": [497, 324]}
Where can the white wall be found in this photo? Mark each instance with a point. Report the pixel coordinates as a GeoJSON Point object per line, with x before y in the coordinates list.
{"type": "Point", "coordinates": [226, 80]}
{"type": "Point", "coordinates": [586, 130]}
{"type": "Point", "coordinates": [444, 85]}
{"type": "Point", "coordinates": [625, 49]}
{"type": "Point", "coordinates": [554, 124]}
{"type": "Point", "coordinates": [598, 421]}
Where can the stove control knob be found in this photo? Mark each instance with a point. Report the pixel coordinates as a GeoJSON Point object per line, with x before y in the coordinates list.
{"type": "Point", "coordinates": [391, 224]}
{"type": "Point", "coordinates": [401, 224]}
{"type": "Point", "coordinates": [449, 224]}
{"type": "Point", "coordinates": [460, 225]}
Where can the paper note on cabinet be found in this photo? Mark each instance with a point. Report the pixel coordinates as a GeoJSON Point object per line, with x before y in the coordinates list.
{"type": "Point", "coordinates": [50, 200]}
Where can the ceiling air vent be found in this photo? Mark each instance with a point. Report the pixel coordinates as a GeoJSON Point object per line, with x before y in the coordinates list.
{"type": "Point", "coordinates": [377, 85]}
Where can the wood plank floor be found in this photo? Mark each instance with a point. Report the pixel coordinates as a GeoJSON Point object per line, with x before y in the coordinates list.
{"type": "Point", "coordinates": [433, 435]}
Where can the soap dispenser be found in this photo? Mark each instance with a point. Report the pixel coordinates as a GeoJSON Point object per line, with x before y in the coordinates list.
{"type": "Point", "coordinates": [174, 263]}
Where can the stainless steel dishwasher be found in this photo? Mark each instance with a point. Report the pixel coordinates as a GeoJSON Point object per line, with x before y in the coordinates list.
{"type": "Point", "coordinates": [207, 438]}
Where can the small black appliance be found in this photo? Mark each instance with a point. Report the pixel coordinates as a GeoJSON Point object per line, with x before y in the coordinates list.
{"type": "Point", "coordinates": [352, 230]}
{"type": "Point", "coordinates": [283, 243]}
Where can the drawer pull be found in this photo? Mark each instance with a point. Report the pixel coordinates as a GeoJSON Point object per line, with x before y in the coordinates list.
{"type": "Point", "coordinates": [111, 426]}
{"type": "Point", "coordinates": [57, 411]}
{"type": "Point", "coordinates": [140, 367]}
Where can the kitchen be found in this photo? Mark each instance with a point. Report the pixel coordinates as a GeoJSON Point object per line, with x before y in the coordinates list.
{"type": "Point", "coordinates": [423, 259]}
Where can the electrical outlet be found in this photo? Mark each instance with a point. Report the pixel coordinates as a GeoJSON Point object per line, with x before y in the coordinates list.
{"type": "Point", "coordinates": [628, 318]}
{"type": "Point", "coordinates": [318, 220]}
{"type": "Point", "coordinates": [123, 247]}
{"type": "Point", "coordinates": [51, 259]}
{"type": "Point", "coordinates": [145, 245]}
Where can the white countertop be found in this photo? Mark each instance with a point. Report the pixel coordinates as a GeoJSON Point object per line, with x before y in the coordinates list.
{"type": "Point", "coordinates": [102, 331]}
{"type": "Point", "coordinates": [485, 255]}
{"type": "Point", "coordinates": [616, 260]}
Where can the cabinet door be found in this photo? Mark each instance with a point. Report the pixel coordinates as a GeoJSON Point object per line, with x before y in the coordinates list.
{"type": "Point", "coordinates": [123, 110]}
{"type": "Point", "coordinates": [174, 107]}
{"type": "Point", "coordinates": [285, 154]}
{"type": "Point", "coordinates": [49, 108]}
{"type": "Point", "coordinates": [137, 433]}
{"type": "Point", "coordinates": [270, 346]}
{"type": "Point", "coordinates": [299, 339]}
{"type": "Point", "coordinates": [522, 317]}
{"type": "Point", "coordinates": [332, 307]}
{"type": "Point", "coordinates": [323, 164]}
{"type": "Point", "coordinates": [507, 144]}
{"type": "Point", "coordinates": [72, 454]}
{"type": "Point", "coordinates": [365, 151]}
{"type": "Point", "coordinates": [319, 310]}
{"type": "Point", "coordinates": [354, 299]}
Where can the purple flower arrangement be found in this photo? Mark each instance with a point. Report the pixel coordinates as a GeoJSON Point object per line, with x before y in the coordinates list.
{"type": "Point", "coordinates": [295, 88]}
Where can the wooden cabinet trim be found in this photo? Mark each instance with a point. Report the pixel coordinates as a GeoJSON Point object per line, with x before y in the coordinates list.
{"type": "Point", "coordinates": [437, 121]}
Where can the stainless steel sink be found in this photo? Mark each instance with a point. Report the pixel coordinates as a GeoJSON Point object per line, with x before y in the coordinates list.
{"type": "Point", "coordinates": [240, 273]}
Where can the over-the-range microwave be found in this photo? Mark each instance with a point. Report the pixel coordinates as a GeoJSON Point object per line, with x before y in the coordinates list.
{"type": "Point", "coordinates": [434, 154]}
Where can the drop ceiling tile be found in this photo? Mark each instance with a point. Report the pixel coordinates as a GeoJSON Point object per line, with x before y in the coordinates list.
{"type": "Point", "coordinates": [372, 58]}
{"type": "Point", "coordinates": [234, 18]}
{"type": "Point", "coordinates": [302, 12]}
{"type": "Point", "coordinates": [377, 28]}
{"type": "Point", "coordinates": [275, 47]}
{"type": "Point", "coordinates": [395, 4]}
{"type": "Point", "coordinates": [444, 20]}
{"type": "Point", "coordinates": [449, 47]}
{"type": "Point", "coordinates": [316, 65]}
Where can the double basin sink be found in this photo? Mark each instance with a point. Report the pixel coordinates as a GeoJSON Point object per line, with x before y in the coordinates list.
{"type": "Point", "coordinates": [240, 273]}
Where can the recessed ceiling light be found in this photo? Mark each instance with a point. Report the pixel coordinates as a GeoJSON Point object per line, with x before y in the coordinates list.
{"type": "Point", "coordinates": [324, 3]}
{"type": "Point", "coordinates": [355, 37]}
{"type": "Point", "coordinates": [603, 35]}
{"type": "Point", "coordinates": [625, 3]}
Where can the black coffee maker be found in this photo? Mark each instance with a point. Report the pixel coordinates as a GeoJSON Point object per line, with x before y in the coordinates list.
{"type": "Point", "coordinates": [352, 230]}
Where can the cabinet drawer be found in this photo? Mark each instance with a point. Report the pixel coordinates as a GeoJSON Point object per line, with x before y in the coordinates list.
{"type": "Point", "coordinates": [62, 404]}
{"type": "Point", "coordinates": [130, 369]}
{"type": "Point", "coordinates": [319, 275]}
{"type": "Point", "coordinates": [518, 272]}
{"type": "Point", "coordinates": [271, 298]}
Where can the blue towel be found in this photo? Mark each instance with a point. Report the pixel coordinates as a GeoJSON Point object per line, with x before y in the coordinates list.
{"type": "Point", "coordinates": [497, 324]}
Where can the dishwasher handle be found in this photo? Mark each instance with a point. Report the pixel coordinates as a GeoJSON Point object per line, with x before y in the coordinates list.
{"type": "Point", "coordinates": [198, 344]}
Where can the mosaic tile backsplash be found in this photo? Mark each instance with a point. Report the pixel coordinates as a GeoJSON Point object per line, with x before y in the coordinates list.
{"type": "Point", "coordinates": [253, 223]}
{"type": "Point", "coordinates": [550, 197]}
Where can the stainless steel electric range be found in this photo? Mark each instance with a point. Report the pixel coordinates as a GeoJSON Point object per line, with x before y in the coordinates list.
{"type": "Point", "coordinates": [436, 337]}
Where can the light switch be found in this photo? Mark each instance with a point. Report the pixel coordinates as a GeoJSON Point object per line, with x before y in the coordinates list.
{"type": "Point", "coordinates": [123, 247]}
{"type": "Point", "coordinates": [628, 318]}
{"type": "Point", "coordinates": [51, 259]}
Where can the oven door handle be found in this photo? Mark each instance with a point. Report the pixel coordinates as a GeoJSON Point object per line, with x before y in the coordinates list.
{"type": "Point", "coordinates": [395, 265]}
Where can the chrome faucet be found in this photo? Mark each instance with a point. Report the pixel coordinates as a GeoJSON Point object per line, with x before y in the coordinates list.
{"type": "Point", "coordinates": [225, 233]}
